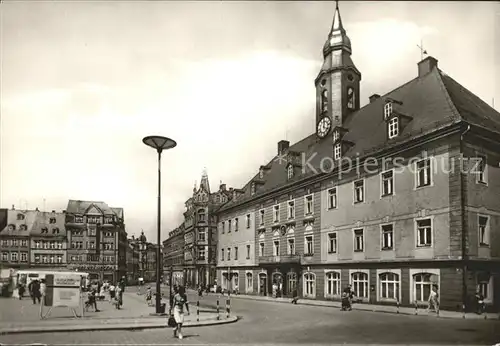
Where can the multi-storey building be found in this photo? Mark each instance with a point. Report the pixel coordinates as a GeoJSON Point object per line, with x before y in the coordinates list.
{"type": "Point", "coordinates": [173, 256]}
{"type": "Point", "coordinates": [395, 197]}
{"type": "Point", "coordinates": [95, 236]}
{"type": "Point", "coordinates": [200, 234]}
{"type": "Point", "coordinates": [236, 251]}
{"type": "Point", "coordinates": [48, 241]}
{"type": "Point", "coordinates": [14, 237]}
{"type": "Point", "coordinates": [147, 253]}
{"type": "Point", "coordinates": [132, 260]}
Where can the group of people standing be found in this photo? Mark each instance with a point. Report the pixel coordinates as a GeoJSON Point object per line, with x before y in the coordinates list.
{"type": "Point", "coordinates": [98, 291]}
{"type": "Point", "coordinates": [36, 288]}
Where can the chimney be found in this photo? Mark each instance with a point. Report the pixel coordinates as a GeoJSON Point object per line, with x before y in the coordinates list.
{"type": "Point", "coordinates": [13, 207]}
{"type": "Point", "coordinates": [222, 187]}
{"type": "Point", "coordinates": [374, 97]}
{"type": "Point", "coordinates": [426, 66]}
{"type": "Point", "coordinates": [64, 211]}
{"type": "Point", "coordinates": [53, 211]}
{"type": "Point", "coordinates": [282, 146]}
{"type": "Point", "coordinates": [36, 209]}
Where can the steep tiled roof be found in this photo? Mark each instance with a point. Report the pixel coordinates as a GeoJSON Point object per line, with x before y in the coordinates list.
{"type": "Point", "coordinates": [43, 220]}
{"type": "Point", "coordinates": [433, 101]}
{"type": "Point", "coordinates": [12, 219]}
{"type": "Point", "coordinates": [80, 207]}
{"type": "Point", "coordinates": [3, 218]}
{"type": "Point", "coordinates": [118, 212]}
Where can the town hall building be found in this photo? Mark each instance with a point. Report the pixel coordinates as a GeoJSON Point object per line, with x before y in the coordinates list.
{"type": "Point", "coordinates": [393, 198]}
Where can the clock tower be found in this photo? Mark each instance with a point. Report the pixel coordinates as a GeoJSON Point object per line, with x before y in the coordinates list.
{"type": "Point", "coordinates": [337, 84]}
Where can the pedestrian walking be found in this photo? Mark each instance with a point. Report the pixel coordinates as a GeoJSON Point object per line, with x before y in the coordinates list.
{"type": "Point", "coordinates": [34, 288]}
{"type": "Point", "coordinates": [21, 290]}
{"type": "Point", "coordinates": [295, 296]}
{"type": "Point", "coordinates": [433, 301]}
{"type": "Point", "coordinates": [179, 301]}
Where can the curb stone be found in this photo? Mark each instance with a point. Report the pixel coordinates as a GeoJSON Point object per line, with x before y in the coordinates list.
{"type": "Point", "coordinates": [100, 327]}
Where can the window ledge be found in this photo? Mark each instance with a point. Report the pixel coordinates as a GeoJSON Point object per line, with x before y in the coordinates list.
{"type": "Point", "coordinates": [358, 202]}
{"type": "Point", "coordinates": [387, 249]}
{"type": "Point", "coordinates": [422, 186]}
{"type": "Point", "coordinates": [480, 182]}
{"type": "Point", "coordinates": [387, 195]}
{"type": "Point", "coordinates": [424, 246]}
{"type": "Point", "coordinates": [332, 252]}
{"type": "Point", "coordinates": [484, 245]}
{"type": "Point", "coordinates": [358, 250]}
{"type": "Point", "coordinates": [308, 255]}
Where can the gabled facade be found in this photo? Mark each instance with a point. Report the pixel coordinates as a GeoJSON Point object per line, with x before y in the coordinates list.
{"type": "Point", "coordinates": [96, 236]}
{"type": "Point", "coordinates": [395, 198]}
{"type": "Point", "coordinates": [48, 240]}
{"type": "Point", "coordinates": [15, 230]}
{"type": "Point", "coordinates": [200, 232]}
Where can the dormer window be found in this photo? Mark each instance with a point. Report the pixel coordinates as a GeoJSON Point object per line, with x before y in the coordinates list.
{"type": "Point", "coordinates": [45, 230]}
{"type": "Point", "coordinates": [337, 151]}
{"type": "Point", "coordinates": [55, 230]}
{"type": "Point", "coordinates": [20, 216]}
{"type": "Point", "coordinates": [387, 109]}
{"type": "Point", "coordinates": [252, 189]}
{"type": "Point", "coordinates": [12, 227]}
{"type": "Point", "coordinates": [336, 136]}
{"type": "Point", "coordinates": [23, 228]}
{"type": "Point", "coordinates": [52, 220]}
{"type": "Point", "coordinates": [351, 98]}
{"type": "Point", "coordinates": [290, 171]}
{"type": "Point", "coordinates": [261, 173]}
{"type": "Point", "coordinates": [78, 219]}
{"type": "Point", "coordinates": [393, 127]}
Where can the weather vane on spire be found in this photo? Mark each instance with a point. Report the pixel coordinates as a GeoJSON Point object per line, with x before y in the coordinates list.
{"type": "Point", "coordinates": [422, 50]}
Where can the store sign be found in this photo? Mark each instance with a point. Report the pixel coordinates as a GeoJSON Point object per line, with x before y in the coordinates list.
{"type": "Point", "coordinates": [63, 289]}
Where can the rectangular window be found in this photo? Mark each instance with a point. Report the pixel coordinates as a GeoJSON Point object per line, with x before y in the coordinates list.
{"type": "Point", "coordinates": [423, 172]}
{"type": "Point", "coordinates": [5, 256]}
{"type": "Point", "coordinates": [337, 151]}
{"type": "Point", "coordinates": [78, 219]}
{"type": "Point", "coordinates": [309, 245]}
{"type": "Point", "coordinates": [222, 255]}
{"type": "Point", "coordinates": [201, 235]}
{"type": "Point", "coordinates": [484, 232]}
{"type": "Point", "coordinates": [235, 253]}
{"type": "Point", "coordinates": [291, 209]}
{"type": "Point", "coordinates": [358, 240]}
{"type": "Point", "coordinates": [261, 249]}
{"type": "Point", "coordinates": [14, 242]}
{"type": "Point", "coordinates": [223, 227]}
{"type": "Point", "coordinates": [24, 257]}
{"type": "Point", "coordinates": [332, 198]}
{"type": "Point", "coordinates": [13, 256]}
{"type": "Point", "coordinates": [229, 226]}
{"type": "Point", "coordinates": [309, 204]}
{"type": "Point", "coordinates": [387, 237]}
{"type": "Point", "coordinates": [387, 183]}
{"type": "Point", "coordinates": [424, 233]}
{"type": "Point", "coordinates": [387, 110]}
{"type": "Point", "coordinates": [276, 211]}
{"type": "Point", "coordinates": [393, 127]}
{"type": "Point", "coordinates": [236, 225]}
{"type": "Point", "coordinates": [201, 253]}
{"type": "Point", "coordinates": [59, 259]}
{"type": "Point", "coordinates": [481, 170]}
{"type": "Point", "coordinates": [291, 246]}
{"type": "Point", "coordinates": [248, 220]}
{"type": "Point", "coordinates": [276, 249]}
{"type": "Point", "coordinates": [261, 213]}
{"type": "Point", "coordinates": [332, 243]}
{"type": "Point", "coordinates": [359, 191]}
{"type": "Point", "coordinates": [24, 243]}
{"type": "Point", "coordinates": [228, 254]}
{"type": "Point", "coordinates": [248, 251]}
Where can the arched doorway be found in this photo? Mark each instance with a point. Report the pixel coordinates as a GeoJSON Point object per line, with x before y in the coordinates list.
{"type": "Point", "coordinates": [277, 284]}
{"type": "Point", "coordinates": [263, 284]}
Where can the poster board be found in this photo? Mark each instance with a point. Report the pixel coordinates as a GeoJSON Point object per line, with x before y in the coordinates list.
{"type": "Point", "coordinates": [63, 289]}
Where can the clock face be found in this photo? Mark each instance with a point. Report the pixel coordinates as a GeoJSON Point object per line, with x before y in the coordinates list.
{"type": "Point", "coordinates": [324, 127]}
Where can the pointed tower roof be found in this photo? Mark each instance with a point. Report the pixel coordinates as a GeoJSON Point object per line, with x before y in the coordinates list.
{"type": "Point", "coordinates": [337, 38]}
{"type": "Point", "coordinates": [204, 181]}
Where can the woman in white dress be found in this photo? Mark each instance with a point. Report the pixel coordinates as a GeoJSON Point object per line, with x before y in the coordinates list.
{"type": "Point", "coordinates": [179, 300]}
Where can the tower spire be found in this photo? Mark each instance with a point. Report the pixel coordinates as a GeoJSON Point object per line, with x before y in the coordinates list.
{"type": "Point", "coordinates": [204, 181]}
{"type": "Point", "coordinates": [337, 38]}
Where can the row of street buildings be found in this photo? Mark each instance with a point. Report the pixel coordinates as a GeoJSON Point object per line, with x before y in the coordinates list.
{"type": "Point", "coordinates": [88, 237]}
{"type": "Point", "coordinates": [393, 198]}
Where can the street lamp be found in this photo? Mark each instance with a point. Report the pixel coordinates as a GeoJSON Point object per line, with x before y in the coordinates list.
{"type": "Point", "coordinates": [159, 143]}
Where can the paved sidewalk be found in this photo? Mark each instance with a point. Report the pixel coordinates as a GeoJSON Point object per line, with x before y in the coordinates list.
{"type": "Point", "coordinates": [373, 307]}
{"type": "Point", "coordinates": [22, 316]}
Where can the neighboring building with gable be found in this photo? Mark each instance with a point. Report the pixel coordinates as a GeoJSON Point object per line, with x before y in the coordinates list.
{"type": "Point", "coordinates": [95, 237]}
{"type": "Point", "coordinates": [15, 230]}
{"type": "Point", "coordinates": [48, 240]}
{"type": "Point", "coordinates": [376, 197]}
{"type": "Point", "coordinates": [200, 232]}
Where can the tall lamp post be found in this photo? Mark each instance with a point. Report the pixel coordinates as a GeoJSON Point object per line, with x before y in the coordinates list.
{"type": "Point", "coordinates": [159, 143]}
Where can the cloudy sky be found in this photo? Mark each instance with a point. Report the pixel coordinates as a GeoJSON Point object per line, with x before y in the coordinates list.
{"type": "Point", "coordinates": [83, 82]}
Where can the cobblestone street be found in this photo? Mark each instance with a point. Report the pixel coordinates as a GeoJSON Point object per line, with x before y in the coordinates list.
{"type": "Point", "coordinates": [278, 323]}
